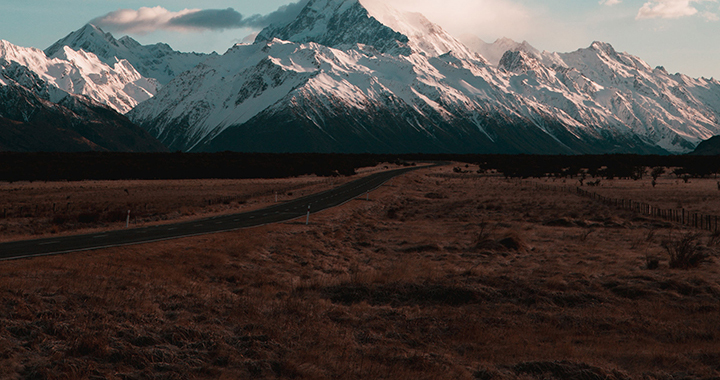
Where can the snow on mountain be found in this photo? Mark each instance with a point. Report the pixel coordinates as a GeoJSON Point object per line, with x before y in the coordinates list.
{"type": "Point", "coordinates": [157, 61]}
{"type": "Point", "coordinates": [344, 23]}
{"type": "Point", "coordinates": [676, 112]}
{"type": "Point", "coordinates": [350, 76]}
{"type": "Point", "coordinates": [494, 52]}
{"type": "Point", "coordinates": [423, 35]}
{"type": "Point", "coordinates": [118, 85]}
{"type": "Point", "coordinates": [30, 121]}
{"type": "Point", "coordinates": [356, 100]}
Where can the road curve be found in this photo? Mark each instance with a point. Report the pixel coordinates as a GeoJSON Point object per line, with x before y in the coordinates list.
{"type": "Point", "coordinates": [274, 214]}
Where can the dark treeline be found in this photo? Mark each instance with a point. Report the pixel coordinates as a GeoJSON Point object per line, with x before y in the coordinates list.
{"type": "Point", "coordinates": [117, 166]}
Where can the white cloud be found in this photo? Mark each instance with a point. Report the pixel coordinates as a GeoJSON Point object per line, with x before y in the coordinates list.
{"type": "Point", "coordinates": [668, 9]}
{"type": "Point", "coordinates": [478, 17]}
{"type": "Point", "coordinates": [141, 21]}
{"type": "Point", "coordinates": [610, 2]}
{"type": "Point", "coordinates": [710, 16]}
{"type": "Point", "coordinates": [147, 20]}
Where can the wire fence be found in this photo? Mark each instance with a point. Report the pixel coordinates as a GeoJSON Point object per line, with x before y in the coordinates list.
{"type": "Point", "coordinates": [681, 216]}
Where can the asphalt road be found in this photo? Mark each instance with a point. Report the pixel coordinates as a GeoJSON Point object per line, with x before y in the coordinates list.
{"type": "Point", "coordinates": [274, 214]}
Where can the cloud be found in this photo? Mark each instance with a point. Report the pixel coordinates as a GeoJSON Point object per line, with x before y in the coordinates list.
{"type": "Point", "coordinates": [710, 16]}
{"type": "Point", "coordinates": [147, 20]}
{"type": "Point", "coordinates": [669, 9]}
{"type": "Point", "coordinates": [141, 21]}
{"type": "Point", "coordinates": [212, 19]}
{"type": "Point", "coordinates": [610, 2]}
{"type": "Point", "coordinates": [489, 18]}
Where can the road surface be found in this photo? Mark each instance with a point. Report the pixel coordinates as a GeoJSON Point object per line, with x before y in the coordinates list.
{"type": "Point", "coordinates": [274, 214]}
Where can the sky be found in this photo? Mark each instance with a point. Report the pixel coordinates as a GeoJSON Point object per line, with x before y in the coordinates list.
{"type": "Point", "coordinates": [681, 35]}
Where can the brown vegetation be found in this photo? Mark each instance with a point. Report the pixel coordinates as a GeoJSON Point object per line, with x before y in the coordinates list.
{"type": "Point", "coordinates": [438, 276]}
{"type": "Point", "coordinates": [32, 209]}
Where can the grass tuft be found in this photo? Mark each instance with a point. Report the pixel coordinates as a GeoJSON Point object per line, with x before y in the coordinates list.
{"type": "Point", "coordinates": [685, 252]}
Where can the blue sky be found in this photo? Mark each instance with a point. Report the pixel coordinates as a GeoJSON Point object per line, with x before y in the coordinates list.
{"type": "Point", "coordinates": [682, 35]}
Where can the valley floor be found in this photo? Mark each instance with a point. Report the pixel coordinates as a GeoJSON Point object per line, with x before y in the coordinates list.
{"type": "Point", "coordinates": [438, 275]}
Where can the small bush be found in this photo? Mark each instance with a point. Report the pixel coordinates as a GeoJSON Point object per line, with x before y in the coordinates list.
{"type": "Point", "coordinates": [60, 219]}
{"type": "Point", "coordinates": [513, 242]}
{"type": "Point", "coordinates": [510, 241]}
{"type": "Point", "coordinates": [652, 263]}
{"type": "Point", "coordinates": [685, 252]}
{"type": "Point", "coordinates": [435, 196]}
{"type": "Point", "coordinates": [89, 217]}
{"type": "Point", "coordinates": [115, 216]}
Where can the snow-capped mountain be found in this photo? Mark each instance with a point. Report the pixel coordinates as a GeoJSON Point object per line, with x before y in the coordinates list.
{"type": "Point", "coordinates": [355, 76]}
{"type": "Point", "coordinates": [494, 52]}
{"type": "Point", "coordinates": [157, 61]}
{"type": "Point", "coordinates": [342, 24]}
{"type": "Point", "coordinates": [117, 85]}
{"type": "Point", "coordinates": [30, 121]}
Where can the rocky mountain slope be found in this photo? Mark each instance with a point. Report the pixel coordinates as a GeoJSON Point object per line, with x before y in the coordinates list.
{"type": "Point", "coordinates": [157, 61]}
{"type": "Point", "coordinates": [117, 85]}
{"type": "Point", "coordinates": [35, 115]}
{"type": "Point", "coordinates": [494, 52]}
{"type": "Point", "coordinates": [710, 147]}
{"type": "Point", "coordinates": [356, 76]}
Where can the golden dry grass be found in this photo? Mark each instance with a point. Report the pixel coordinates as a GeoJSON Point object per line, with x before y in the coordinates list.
{"type": "Point", "coordinates": [33, 209]}
{"type": "Point", "coordinates": [437, 276]}
{"type": "Point", "coordinates": [701, 195]}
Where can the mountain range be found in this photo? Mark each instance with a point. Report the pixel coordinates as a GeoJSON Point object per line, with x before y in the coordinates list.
{"type": "Point", "coordinates": [38, 116]}
{"type": "Point", "coordinates": [359, 76]}
{"type": "Point", "coordinates": [158, 61]}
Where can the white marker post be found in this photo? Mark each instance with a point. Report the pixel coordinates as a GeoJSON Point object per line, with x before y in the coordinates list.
{"type": "Point", "coordinates": [307, 220]}
{"type": "Point", "coordinates": [127, 222]}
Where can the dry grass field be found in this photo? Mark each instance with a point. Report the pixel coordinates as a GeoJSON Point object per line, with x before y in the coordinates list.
{"type": "Point", "coordinates": [35, 209]}
{"type": "Point", "coordinates": [438, 276]}
{"type": "Point", "coordinates": [697, 195]}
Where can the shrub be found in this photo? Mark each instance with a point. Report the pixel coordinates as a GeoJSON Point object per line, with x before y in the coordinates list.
{"type": "Point", "coordinates": [513, 242]}
{"type": "Point", "coordinates": [510, 241]}
{"type": "Point", "coordinates": [685, 252]}
{"type": "Point", "coordinates": [89, 217]}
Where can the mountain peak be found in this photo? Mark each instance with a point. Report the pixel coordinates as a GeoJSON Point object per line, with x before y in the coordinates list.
{"type": "Point", "coordinates": [495, 51]}
{"type": "Point", "coordinates": [603, 47]}
{"type": "Point", "coordinates": [157, 61]}
{"type": "Point", "coordinates": [80, 72]}
{"type": "Point", "coordinates": [517, 61]}
{"type": "Point", "coordinates": [88, 38]}
{"type": "Point", "coordinates": [336, 23]}
{"type": "Point", "coordinates": [342, 23]}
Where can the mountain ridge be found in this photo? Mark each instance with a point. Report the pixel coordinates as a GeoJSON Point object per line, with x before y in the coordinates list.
{"type": "Point", "coordinates": [118, 85]}
{"type": "Point", "coordinates": [360, 76]}
{"type": "Point", "coordinates": [593, 100]}
{"type": "Point", "coordinates": [30, 121]}
{"type": "Point", "coordinates": [158, 61]}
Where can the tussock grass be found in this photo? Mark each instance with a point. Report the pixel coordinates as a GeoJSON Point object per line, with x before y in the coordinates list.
{"type": "Point", "coordinates": [362, 294]}
{"type": "Point", "coordinates": [686, 252]}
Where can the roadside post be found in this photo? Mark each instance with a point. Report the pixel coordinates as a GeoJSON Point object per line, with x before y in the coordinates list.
{"type": "Point", "coordinates": [127, 222]}
{"type": "Point", "coordinates": [307, 220]}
